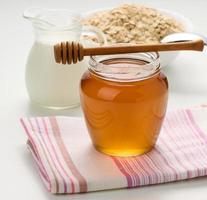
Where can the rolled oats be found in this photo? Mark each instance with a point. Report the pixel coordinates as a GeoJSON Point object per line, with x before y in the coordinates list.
{"type": "Point", "coordinates": [134, 23]}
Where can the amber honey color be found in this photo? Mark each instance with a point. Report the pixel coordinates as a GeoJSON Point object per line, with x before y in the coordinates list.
{"type": "Point", "coordinates": [124, 118]}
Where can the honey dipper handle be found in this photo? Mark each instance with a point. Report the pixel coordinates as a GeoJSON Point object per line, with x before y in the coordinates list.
{"type": "Point", "coordinates": [196, 45]}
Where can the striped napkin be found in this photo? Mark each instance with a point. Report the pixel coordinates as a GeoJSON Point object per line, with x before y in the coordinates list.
{"type": "Point", "coordinates": [68, 163]}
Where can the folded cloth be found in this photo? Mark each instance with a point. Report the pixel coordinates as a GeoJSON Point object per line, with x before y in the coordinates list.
{"type": "Point", "coordinates": [68, 163]}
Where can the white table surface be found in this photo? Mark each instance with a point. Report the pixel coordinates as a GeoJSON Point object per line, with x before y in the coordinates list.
{"type": "Point", "coordinates": [18, 176]}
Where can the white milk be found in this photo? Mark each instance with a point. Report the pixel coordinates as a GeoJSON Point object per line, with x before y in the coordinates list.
{"type": "Point", "coordinates": [50, 84]}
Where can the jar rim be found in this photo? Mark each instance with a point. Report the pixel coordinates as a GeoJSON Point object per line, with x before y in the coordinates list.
{"type": "Point", "coordinates": [132, 66]}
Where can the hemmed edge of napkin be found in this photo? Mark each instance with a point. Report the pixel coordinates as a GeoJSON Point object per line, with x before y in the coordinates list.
{"type": "Point", "coordinates": [36, 148]}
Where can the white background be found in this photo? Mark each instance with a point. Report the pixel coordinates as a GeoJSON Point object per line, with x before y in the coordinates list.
{"type": "Point", "coordinates": [18, 176]}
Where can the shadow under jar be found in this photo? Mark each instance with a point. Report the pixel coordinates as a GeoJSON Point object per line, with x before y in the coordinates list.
{"type": "Point", "coordinates": [124, 99]}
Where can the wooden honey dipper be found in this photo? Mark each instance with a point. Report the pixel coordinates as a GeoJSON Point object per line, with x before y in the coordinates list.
{"type": "Point", "coordinates": [71, 52]}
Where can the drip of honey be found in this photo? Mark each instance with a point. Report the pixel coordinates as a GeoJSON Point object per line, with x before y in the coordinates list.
{"type": "Point", "coordinates": [124, 118]}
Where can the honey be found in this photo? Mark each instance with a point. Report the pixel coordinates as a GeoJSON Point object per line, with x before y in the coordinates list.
{"type": "Point", "coordinates": [124, 102]}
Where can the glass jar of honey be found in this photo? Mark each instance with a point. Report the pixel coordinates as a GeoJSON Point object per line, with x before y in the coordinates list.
{"type": "Point", "coordinates": [124, 99]}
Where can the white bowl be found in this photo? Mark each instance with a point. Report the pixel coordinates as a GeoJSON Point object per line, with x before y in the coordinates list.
{"type": "Point", "coordinates": [165, 57]}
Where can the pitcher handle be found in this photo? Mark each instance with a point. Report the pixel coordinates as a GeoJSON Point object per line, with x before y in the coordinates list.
{"type": "Point", "coordinates": [88, 33]}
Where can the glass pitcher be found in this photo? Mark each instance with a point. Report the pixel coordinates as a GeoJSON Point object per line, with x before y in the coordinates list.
{"type": "Point", "coordinates": [50, 84]}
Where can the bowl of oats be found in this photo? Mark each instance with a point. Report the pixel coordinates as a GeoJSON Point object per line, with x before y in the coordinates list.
{"type": "Point", "coordinates": [135, 23]}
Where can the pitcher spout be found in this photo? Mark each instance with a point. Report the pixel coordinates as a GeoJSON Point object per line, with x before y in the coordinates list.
{"type": "Point", "coordinates": [52, 19]}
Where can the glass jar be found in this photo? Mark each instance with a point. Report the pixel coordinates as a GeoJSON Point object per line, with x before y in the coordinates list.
{"type": "Point", "coordinates": [124, 99]}
{"type": "Point", "coordinates": [49, 84]}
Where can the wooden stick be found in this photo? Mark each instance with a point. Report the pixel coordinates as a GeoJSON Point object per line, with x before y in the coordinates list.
{"type": "Point", "coordinates": [71, 52]}
{"type": "Point", "coordinates": [196, 45]}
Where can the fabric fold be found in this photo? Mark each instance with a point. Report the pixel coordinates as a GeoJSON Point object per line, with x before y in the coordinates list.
{"type": "Point", "coordinates": [68, 163]}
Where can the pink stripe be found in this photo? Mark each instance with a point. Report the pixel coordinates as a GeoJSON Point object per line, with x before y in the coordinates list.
{"type": "Point", "coordinates": [128, 171]}
{"type": "Point", "coordinates": [162, 154]}
{"type": "Point", "coordinates": [154, 168]}
{"type": "Point", "coordinates": [197, 128]}
{"type": "Point", "coordinates": [132, 173]}
{"type": "Point", "coordinates": [178, 120]}
{"type": "Point", "coordinates": [37, 162]}
{"type": "Point", "coordinates": [196, 137]}
{"type": "Point", "coordinates": [33, 129]}
{"type": "Point", "coordinates": [123, 171]}
{"type": "Point", "coordinates": [158, 154]}
{"type": "Point", "coordinates": [203, 105]}
{"type": "Point", "coordinates": [176, 158]}
{"type": "Point", "coordinates": [35, 148]}
{"type": "Point", "coordinates": [144, 169]}
{"type": "Point", "coordinates": [189, 128]}
{"type": "Point", "coordinates": [140, 163]}
{"type": "Point", "coordinates": [157, 167]}
{"type": "Point", "coordinates": [185, 128]}
{"type": "Point", "coordinates": [170, 131]}
{"type": "Point", "coordinates": [42, 141]}
{"type": "Point", "coordinates": [56, 156]}
{"type": "Point", "coordinates": [167, 164]}
{"type": "Point", "coordinates": [51, 155]}
{"type": "Point", "coordinates": [66, 156]}
{"type": "Point", "coordinates": [30, 138]}
{"type": "Point", "coordinates": [41, 171]}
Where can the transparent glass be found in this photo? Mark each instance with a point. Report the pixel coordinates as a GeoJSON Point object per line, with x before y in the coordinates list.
{"type": "Point", "coordinates": [50, 84]}
{"type": "Point", "coordinates": [124, 100]}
